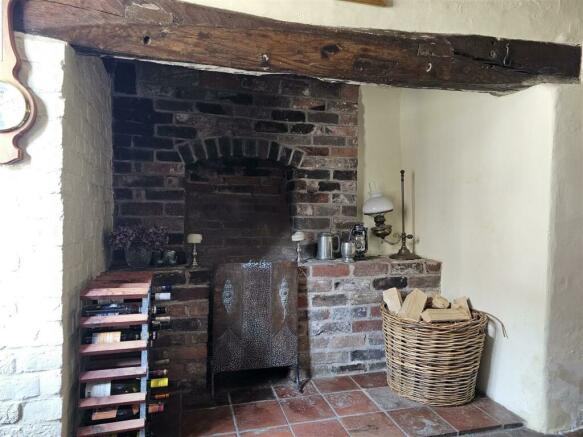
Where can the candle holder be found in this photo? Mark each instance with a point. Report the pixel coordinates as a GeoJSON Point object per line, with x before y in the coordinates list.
{"type": "Point", "coordinates": [404, 253]}
{"type": "Point", "coordinates": [298, 237]}
{"type": "Point", "coordinates": [194, 239]}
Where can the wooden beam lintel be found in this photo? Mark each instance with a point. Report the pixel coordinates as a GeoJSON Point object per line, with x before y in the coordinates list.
{"type": "Point", "coordinates": [178, 32]}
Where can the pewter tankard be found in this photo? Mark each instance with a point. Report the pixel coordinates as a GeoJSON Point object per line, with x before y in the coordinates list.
{"type": "Point", "coordinates": [326, 245]}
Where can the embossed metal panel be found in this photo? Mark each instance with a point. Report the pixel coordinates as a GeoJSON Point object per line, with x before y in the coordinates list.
{"type": "Point", "coordinates": [254, 316]}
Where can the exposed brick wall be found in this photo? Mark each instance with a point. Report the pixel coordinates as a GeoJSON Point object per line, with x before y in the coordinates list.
{"type": "Point", "coordinates": [185, 342]}
{"type": "Point", "coordinates": [239, 205]}
{"type": "Point", "coordinates": [340, 323]}
{"type": "Point", "coordinates": [166, 118]}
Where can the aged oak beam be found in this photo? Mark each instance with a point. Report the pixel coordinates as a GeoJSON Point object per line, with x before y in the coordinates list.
{"type": "Point", "coordinates": [173, 31]}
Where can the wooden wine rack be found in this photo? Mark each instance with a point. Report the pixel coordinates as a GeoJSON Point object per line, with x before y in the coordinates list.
{"type": "Point", "coordinates": [117, 286]}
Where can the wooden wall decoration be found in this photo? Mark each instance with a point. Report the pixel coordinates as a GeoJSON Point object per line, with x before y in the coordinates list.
{"type": "Point", "coordinates": [17, 108]}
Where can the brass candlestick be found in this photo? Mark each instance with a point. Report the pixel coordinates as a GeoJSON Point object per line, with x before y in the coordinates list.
{"type": "Point", "coordinates": [404, 253]}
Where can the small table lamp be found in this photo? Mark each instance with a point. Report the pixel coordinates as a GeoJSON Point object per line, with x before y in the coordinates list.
{"type": "Point", "coordinates": [377, 206]}
{"type": "Point", "coordinates": [194, 239]}
{"type": "Point", "coordinates": [298, 237]}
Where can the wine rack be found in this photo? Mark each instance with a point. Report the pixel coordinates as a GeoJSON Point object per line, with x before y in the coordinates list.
{"type": "Point", "coordinates": [116, 361]}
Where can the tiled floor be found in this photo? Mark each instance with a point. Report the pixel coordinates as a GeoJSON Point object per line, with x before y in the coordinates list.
{"type": "Point", "coordinates": [360, 406]}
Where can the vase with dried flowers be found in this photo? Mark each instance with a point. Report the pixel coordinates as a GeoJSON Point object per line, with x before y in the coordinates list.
{"type": "Point", "coordinates": [138, 243]}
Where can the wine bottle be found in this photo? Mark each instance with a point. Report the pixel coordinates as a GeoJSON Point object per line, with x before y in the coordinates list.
{"type": "Point", "coordinates": [158, 373]}
{"type": "Point", "coordinates": [161, 363]}
{"type": "Point", "coordinates": [159, 324]}
{"type": "Point", "coordinates": [162, 288]}
{"type": "Point", "coordinates": [162, 296]}
{"type": "Point", "coordinates": [111, 388]}
{"type": "Point", "coordinates": [122, 412]}
{"type": "Point", "coordinates": [111, 337]}
{"type": "Point", "coordinates": [155, 310]}
{"type": "Point", "coordinates": [157, 407]}
{"type": "Point", "coordinates": [110, 309]}
{"type": "Point", "coordinates": [158, 382]}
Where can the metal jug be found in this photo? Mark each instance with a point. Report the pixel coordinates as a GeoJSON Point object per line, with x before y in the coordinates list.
{"type": "Point", "coordinates": [326, 245]}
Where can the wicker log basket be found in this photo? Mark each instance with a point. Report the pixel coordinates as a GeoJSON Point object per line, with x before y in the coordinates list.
{"type": "Point", "coordinates": [434, 363]}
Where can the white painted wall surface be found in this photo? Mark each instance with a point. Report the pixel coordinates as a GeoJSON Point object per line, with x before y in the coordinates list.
{"type": "Point", "coordinates": [482, 170]}
{"type": "Point", "coordinates": [565, 311]}
{"type": "Point", "coordinates": [379, 155]}
{"type": "Point", "coordinates": [87, 198]}
{"type": "Point", "coordinates": [52, 223]}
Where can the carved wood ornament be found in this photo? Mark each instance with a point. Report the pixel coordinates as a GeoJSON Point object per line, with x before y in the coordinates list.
{"type": "Point", "coordinates": [17, 108]}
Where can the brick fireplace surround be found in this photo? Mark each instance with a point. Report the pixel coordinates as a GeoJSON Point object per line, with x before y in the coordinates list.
{"type": "Point", "coordinates": [244, 160]}
{"type": "Point", "coordinates": [167, 121]}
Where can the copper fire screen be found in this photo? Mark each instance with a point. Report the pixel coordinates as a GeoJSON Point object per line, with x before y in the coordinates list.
{"type": "Point", "coordinates": [255, 317]}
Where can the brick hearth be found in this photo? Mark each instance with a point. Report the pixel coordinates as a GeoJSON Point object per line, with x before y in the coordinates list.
{"type": "Point", "coordinates": [340, 321]}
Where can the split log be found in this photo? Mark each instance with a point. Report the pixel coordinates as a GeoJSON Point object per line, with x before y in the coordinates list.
{"type": "Point", "coordinates": [413, 305]}
{"type": "Point", "coordinates": [174, 31]}
{"type": "Point", "coordinates": [439, 302]}
{"type": "Point", "coordinates": [393, 300]}
{"type": "Point", "coordinates": [463, 304]}
{"type": "Point", "coordinates": [444, 315]}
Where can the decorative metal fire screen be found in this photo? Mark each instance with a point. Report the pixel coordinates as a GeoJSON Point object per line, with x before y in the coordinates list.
{"type": "Point", "coordinates": [255, 316]}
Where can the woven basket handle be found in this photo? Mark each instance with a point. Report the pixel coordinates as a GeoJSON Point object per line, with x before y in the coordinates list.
{"type": "Point", "coordinates": [504, 332]}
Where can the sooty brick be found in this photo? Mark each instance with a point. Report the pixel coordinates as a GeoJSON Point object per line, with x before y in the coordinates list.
{"type": "Point", "coordinates": [328, 186]}
{"type": "Point", "coordinates": [302, 128]}
{"type": "Point", "coordinates": [389, 282]}
{"type": "Point", "coordinates": [211, 108]}
{"type": "Point", "coordinates": [280, 115]}
{"type": "Point", "coordinates": [270, 127]}
{"type": "Point", "coordinates": [176, 131]}
{"type": "Point", "coordinates": [344, 175]}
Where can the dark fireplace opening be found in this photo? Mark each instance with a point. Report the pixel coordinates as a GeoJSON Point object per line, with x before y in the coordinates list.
{"type": "Point", "coordinates": [239, 204]}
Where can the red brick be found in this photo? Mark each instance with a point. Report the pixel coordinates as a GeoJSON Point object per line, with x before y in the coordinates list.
{"type": "Point", "coordinates": [347, 152]}
{"type": "Point", "coordinates": [433, 266]}
{"type": "Point", "coordinates": [367, 325]}
{"type": "Point", "coordinates": [375, 311]}
{"type": "Point", "coordinates": [198, 308]}
{"type": "Point", "coordinates": [330, 270]}
{"type": "Point", "coordinates": [302, 301]}
{"type": "Point", "coordinates": [370, 269]}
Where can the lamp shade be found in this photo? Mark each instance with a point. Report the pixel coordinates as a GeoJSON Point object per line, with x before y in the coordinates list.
{"type": "Point", "coordinates": [194, 238]}
{"type": "Point", "coordinates": [377, 204]}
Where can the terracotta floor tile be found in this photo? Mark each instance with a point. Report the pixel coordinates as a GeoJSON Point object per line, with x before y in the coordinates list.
{"type": "Point", "coordinates": [282, 431]}
{"type": "Point", "coordinates": [259, 415]}
{"type": "Point", "coordinates": [326, 428]}
{"type": "Point", "coordinates": [291, 391]}
{"type": "Point", "coordinates": [371, 425]}
{"type": "Point", "coordinates": [388, 400]}
{"type": "Point", "coordinates": [207, 421]}
{"type": "Point", "coordinates": [304, 409]}
{"type": "Point", "coordinates": [252, 394]}
{"type": "Point", "coordinates": [351, 402]}
{"type": "Point", "coordinates": [467, 418]}
{"type": "Point", "coordinates": [421, 422]}
{"type": "Point", "coordinates": [370, 380]}
{"type": "Point", "coordinates": [338, 383]}
{"type": "Point", "coordinates": [498, 412]}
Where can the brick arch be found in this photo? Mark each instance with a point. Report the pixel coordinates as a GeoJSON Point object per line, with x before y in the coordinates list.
{"type": "Point", "coordinates": [239, 147]}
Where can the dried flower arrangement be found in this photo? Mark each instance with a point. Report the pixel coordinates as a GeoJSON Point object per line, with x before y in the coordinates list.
{"type": "Point", "coordinates": [154, 238]}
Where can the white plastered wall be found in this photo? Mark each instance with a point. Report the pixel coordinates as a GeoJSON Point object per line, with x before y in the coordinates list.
{"type": "Point", "coordinates": [482, 171]}
{"type": "Point", "coordinates": [57, 208]}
